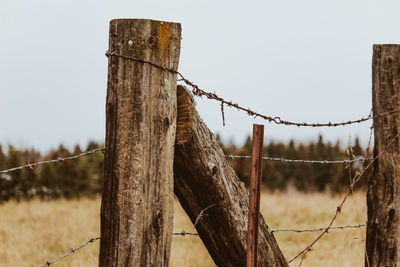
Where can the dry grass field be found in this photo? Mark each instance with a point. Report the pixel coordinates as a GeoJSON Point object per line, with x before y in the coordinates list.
{"type": "Point", "coordinates": [33, 232]}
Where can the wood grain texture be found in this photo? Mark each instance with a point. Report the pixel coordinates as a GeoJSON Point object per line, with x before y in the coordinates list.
{"type": "Point", "coordinates": [383, 196]}
{"type": "Point", "coordinates": [204, 179]}
{"type": "Point", "coordinates": [137, 203]}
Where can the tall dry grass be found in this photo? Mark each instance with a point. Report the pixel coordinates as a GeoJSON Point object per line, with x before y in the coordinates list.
{"type": "Point", "coordinates": [33, 232]}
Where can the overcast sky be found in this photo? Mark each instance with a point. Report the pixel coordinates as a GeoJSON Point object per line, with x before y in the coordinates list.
{"type": "Point", "coordinates": [300, 60]}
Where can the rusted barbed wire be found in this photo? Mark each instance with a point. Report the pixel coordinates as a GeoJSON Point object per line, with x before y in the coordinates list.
{"type": "Point", "coordinates": [31, 165]}
{"type": "Point", "coordinates": [299, 160]}
{"type": "Point", "coordinates": [72, 250]}
{"type": "Point", "coordinates": [275, 119]}
{"type": "Point", "coordinates": [349, 190]}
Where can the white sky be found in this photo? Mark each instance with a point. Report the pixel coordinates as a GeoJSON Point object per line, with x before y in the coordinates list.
{"type": "Point", "coordinates": [300, 60]}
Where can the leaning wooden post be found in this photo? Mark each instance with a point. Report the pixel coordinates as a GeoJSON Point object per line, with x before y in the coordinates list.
{"type": "Point", "coordinates": [255, 183]}
{"type": "Point", "coordinates": [383, 196]}
{"type": "Point", "coordinates": [212, 195]}
{"type": "Point", "coordinates": [137, 203]}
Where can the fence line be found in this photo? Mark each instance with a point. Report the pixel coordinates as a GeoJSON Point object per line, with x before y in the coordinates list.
{"type": "Point", "coordinates": [72, 250]}
{"type": "Point", "coordinates": [183, 233]}
{"type": "Point", "coordinates": [31, 165]}
{"type": "Point", "coordinates": [277, 120]}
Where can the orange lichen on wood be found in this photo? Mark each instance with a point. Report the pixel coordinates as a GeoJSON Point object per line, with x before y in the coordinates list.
{"type": "Point", "coordinates": [164, 36]}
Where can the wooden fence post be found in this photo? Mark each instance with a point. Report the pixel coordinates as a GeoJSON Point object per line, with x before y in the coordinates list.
{"type": "Point", "coordinates": [212, 195]}
{"type": "Point", "coordinates": [255, 183]}
{"type": "Point", "coordinates": [383, 196]}
{"type": "Point", "coordinates": [137, 203]}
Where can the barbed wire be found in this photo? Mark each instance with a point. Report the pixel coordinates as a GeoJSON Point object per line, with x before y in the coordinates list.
{"type": "Point", "coordinates": [319, 229]}
{"type": "Point", "coordinates": [299, 160]}
{"type": "Point", "coordinates": [72, 250]}
{"type": "Point", "coordinates": [31, 165]}
{"type": "Point", "coordinates": [184, 233]}
{"type": "Point", "coordinates": [349, 190]}
{"type": "Point", "coordinates": [275, 119]}
{"type": "Point", "coordinates": [91, 240]}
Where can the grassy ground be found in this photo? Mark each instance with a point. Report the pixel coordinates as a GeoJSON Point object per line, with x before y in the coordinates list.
{"type": "Point", "coordinates": [33, 232]}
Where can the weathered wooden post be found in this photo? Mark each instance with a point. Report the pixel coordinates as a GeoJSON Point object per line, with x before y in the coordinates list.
{"type": "Point", "coordinates": [383, 196]}
{"type": "Point", "coordinates": [137, 203]}
{"type": "Point", "coordinates": [255, 184]}
{"type": "Point", "coordinates": [212, 195]}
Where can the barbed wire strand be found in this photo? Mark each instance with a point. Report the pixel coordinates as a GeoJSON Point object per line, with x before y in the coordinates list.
{"type": "Point", "coordinates": [31, 165]}
{"type": "Point", "coordinates": [355, 179]}
{"type": "Point", "coordinates": [299, 160]}
{"type": "Point", "coordinates": [277, 120]}
{"type": "Point", "coordinates": [184, 233]}
{"type": "Point", "coordinates": [319, 229]}
{"type": "Point", "coordinates": [72, 250]}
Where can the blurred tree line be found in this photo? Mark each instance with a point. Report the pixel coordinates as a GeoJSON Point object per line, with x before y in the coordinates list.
{"type": "Point", "coordinates": [70, 178]}
{"type": "Point", "coordinates": [306, 177]}
{"type": "Point", "coordinates": [84, 176]}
